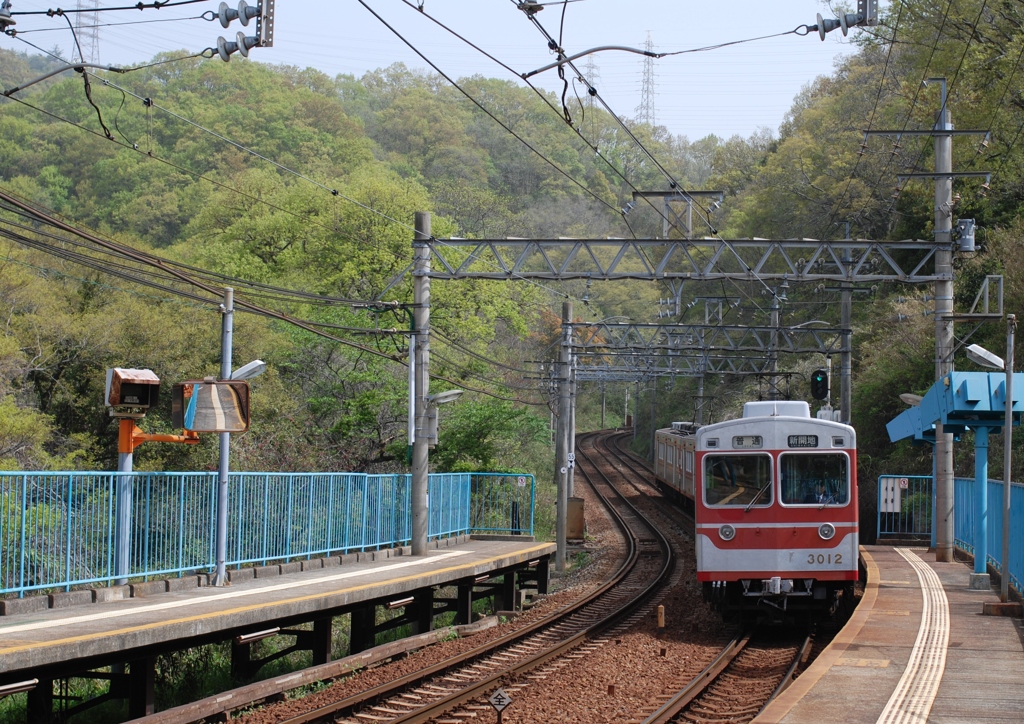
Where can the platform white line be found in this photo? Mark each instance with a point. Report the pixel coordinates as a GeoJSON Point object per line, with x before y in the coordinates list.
{"type": "Point", "coordinates": [912, 700]}
{"type": "Point", "coordinates": [220, 596]}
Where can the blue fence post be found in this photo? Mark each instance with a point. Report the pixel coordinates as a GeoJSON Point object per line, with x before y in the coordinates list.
{"type": "Point", "coordinates": [24, 526]}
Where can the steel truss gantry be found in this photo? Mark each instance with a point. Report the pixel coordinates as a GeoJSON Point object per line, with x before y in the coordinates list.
{"type": "Point", "coordinates": [765, 260]}
{"type": "Point", "coordinates": [706, 337]}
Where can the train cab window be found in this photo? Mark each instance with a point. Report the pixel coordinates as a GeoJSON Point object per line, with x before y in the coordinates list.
{"type": "Point", "coordinates": [815, 479]}
{"type": "Point", "coordinates": [738, 480]}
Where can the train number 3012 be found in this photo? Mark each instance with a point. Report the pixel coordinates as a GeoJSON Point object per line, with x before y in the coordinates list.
{"type": "Point", "coordinates": [825, 559]}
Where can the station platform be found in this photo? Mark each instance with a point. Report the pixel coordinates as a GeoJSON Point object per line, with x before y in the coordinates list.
{"type": "Point", "coordinates": [57, 642]}
{"type": "Point", "coordinates": [917, 649]}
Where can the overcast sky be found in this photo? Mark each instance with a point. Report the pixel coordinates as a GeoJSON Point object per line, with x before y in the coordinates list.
{"type": "Point", "coordinates": [728, 91]}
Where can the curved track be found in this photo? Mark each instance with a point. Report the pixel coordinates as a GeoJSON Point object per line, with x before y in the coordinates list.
{"type": "Point", "coordinates": [564, 652]}
{"type": "Point", "coordinates": [437, 690]}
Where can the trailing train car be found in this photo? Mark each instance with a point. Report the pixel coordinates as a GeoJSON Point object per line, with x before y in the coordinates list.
{"type": "Point", "coordinates": [775, 502]}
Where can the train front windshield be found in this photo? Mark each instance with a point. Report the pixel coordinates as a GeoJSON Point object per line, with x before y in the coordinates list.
{"type": "Point", "coordinates": [815, 479]}
{"type": "Point", "coordinates": [738, 480]}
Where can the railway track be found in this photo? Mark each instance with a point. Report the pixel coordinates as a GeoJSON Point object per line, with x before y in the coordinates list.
{"type": "Point", "coordinates": [751, 671]}
{"type": "Point", "coordinates": [556, 656]}
{"type": "Point", "coordinates": [454, 688]}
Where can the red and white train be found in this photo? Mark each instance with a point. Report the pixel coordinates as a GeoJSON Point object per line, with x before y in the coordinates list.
{"type": "Point", "coordinates": [774, 497]}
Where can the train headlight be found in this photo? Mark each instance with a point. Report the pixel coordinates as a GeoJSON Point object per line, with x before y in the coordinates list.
{"type": "Point", "coordinates": [827, 531]}
{"type": "Point", "coordinates": [727, 532]}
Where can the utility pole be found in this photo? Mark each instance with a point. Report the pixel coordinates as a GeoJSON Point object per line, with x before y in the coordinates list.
{"type": "Point", "coordinates": [846, 354]}
{"type": "Point", "coordinates": [654, 397]}
{"type": "Point", "coordinates": [562, 438]}
{"type": "Point", "coordinates": [421, 315]}
{"type": "Point", "coordinates": [773, 352]}
{"type": "Point", "coordinates": [943, 133]}
{"type": "Point", "coordinates": [220, 577]}
{"type": "Point", "coordinates": [571, 442]}
{"type": "Point", "coordinates": [943, 321]}
{"type": "Point", "coordinates": [1004, 578]}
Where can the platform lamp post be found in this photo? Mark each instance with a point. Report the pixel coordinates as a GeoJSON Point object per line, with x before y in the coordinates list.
{"type": "Point", "coordinates": [247, 372]}
{"type": "Point", "coordinates": [983, 357]}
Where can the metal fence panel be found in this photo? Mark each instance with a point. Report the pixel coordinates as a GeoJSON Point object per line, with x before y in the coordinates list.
{"type": "Point", "coordinates": [964, 524]}
{"type": "Point", "coordinates": [905, 507]}
{"type": "Point", "coordinates": [57, 529]}
{"type": "Point", "coordinates": [502, 503]}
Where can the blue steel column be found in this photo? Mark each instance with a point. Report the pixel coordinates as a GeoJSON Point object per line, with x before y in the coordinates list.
{"type": "Point", "coordinates": [980, 579]}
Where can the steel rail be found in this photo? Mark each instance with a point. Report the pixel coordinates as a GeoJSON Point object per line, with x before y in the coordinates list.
{"type": "Point", "coordinates": [439, 707]}
{"type": "Point", "coordinates": [701, 681]}
{"type": "Point", "coordinates": [384, 691]}
{"type": "Point", "coordinates": [787, 679]}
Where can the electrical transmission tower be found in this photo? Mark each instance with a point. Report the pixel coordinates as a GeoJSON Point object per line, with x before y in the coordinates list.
{"type": "Point", "coordinates": [645, 111]}
{"type": "Point", "coordinates": [593, 76]}
{"type": "Point", "coordinates": [87, 21]}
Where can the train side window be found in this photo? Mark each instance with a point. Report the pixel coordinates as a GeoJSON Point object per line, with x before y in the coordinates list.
{"type": "Point", "coordinates": [737, 480]}
{"type": "Point", "coordinates": [815, 478]}
{"type": "Point", "coordinates": [689, 461]}
{"type": "Point", "coordinates": [661, 451]}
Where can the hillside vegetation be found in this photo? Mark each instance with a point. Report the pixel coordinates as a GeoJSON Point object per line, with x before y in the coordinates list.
{"type": "Point", "coordinates": [398, 140]}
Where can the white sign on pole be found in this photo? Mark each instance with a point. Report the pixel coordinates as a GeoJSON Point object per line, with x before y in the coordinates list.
{"type": "Point", "coordinates": [499, 700]}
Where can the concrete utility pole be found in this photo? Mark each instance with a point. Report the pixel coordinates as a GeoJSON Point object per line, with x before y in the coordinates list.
{"type": "Point", "coordinates": [846, 354]}
{"type": "Point", "coordinates": [773, 352]}
{"type": "Point", "coordinates": [220, 576]}
{"type": "Point", "coordinates": [421, 315]}
{"type": "Point", "coordinates": [562, 437]}
{"type": "Point", "coordinates": [571, 442]}
{"type": "Point", "coordinates": [943, 324]}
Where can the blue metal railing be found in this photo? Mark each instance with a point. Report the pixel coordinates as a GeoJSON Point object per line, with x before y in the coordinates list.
{"type": "Point", "coordinates": [963, 524]}
{"type": "Point", "coordinates": [907, 512]}
{"type": "Point", "coordinates": [57, 530]}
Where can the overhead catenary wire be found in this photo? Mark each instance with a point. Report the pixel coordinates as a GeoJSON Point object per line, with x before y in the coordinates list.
{"type": "Point", "coordinates": [536, 90]}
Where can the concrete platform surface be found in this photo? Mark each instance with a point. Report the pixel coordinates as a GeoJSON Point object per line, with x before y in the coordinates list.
{"type": "Point", "coordinates": [917, 649]}
{"type": "Point", "coordinates": [51, 636]}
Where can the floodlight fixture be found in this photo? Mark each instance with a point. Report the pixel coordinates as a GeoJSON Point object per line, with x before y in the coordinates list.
{"type": "Point", "coordinates": [246, 372]}
{"type": "Point", "coordinates": [979, 355]}
{"type": "Point", "coordinates": [443, 398]}
{"type": "Point", "coordinates": [911, 399]}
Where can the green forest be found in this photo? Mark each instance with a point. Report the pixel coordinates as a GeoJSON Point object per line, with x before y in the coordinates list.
{"type": "Point", "coordinates": [284, 178]}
